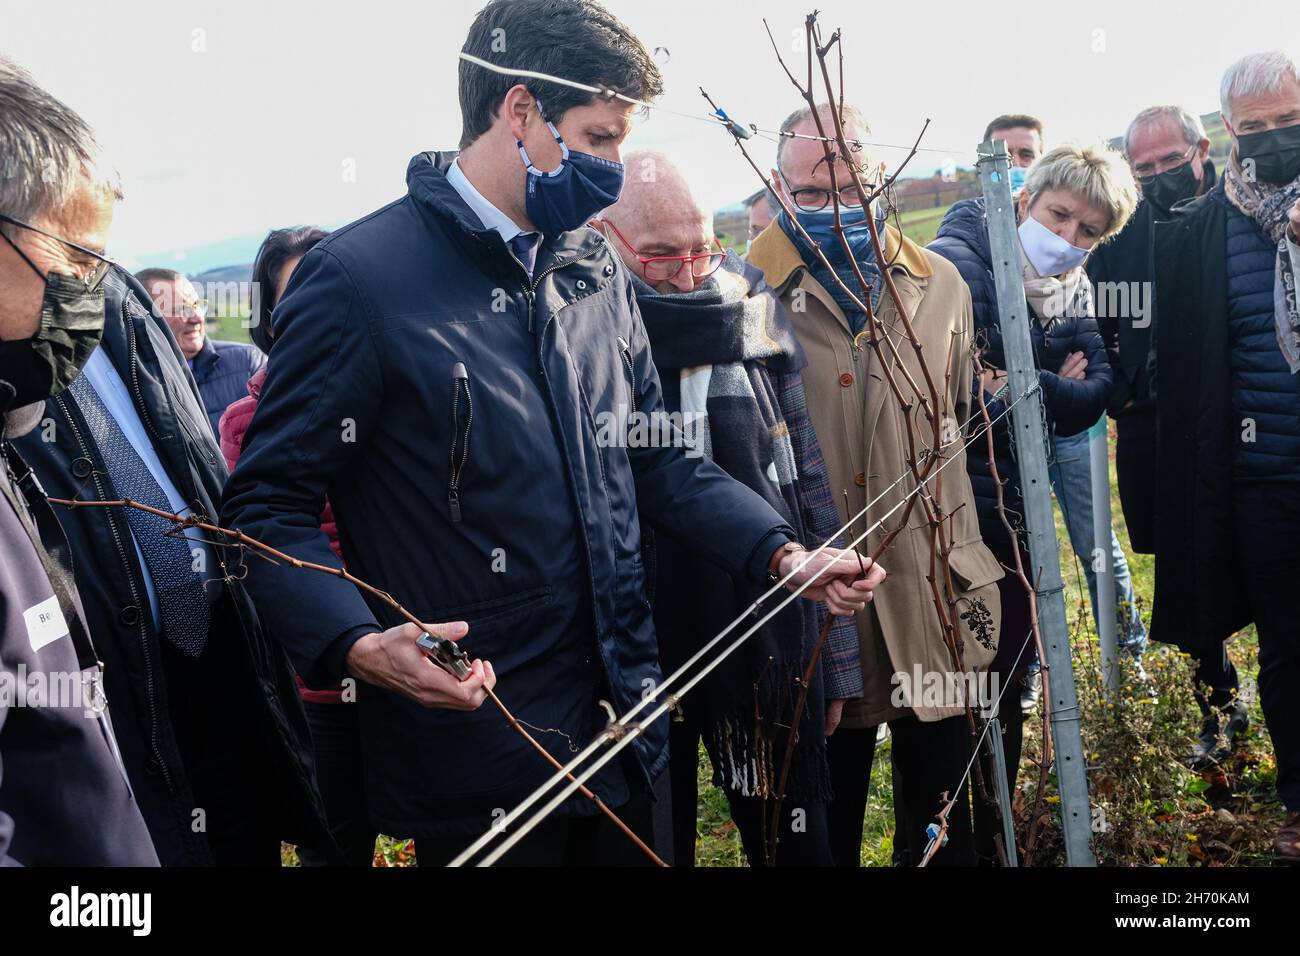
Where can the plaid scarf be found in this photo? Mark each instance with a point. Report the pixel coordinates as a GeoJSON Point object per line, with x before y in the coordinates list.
{"type": "Point", "coordinates": [727, 353]}
{"type": "Point", "coordinates": [1270, 204]}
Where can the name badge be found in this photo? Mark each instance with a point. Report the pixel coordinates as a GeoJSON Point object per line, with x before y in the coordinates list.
{"type": "Point", "coordinates": [45, 623]}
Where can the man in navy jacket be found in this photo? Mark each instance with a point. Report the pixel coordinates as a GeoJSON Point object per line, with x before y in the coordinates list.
{"type": "Point", "coordinates": [457, 370]}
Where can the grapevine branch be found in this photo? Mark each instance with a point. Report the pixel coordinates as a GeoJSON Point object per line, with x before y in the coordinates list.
{"type": "Point", "coordinates": [241, 541]}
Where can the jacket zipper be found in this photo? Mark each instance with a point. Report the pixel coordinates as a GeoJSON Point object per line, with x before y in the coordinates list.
{"type": "Point", "coordinates": [531, 291]}
{"type": "Point", "coordinates": [135, 375]}
{"type": "Point", "coordinates": [459, 445]}
{"type": "Point", "coordinates": [626, 351]}
{"type": "Point", "coordinates": [135, 598]}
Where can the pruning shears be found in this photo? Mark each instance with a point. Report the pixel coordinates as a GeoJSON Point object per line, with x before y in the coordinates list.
{"type": "Point", "coordinates": [446, 653]}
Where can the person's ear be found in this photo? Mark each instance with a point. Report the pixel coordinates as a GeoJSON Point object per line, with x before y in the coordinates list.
{"type": "Point", "coordinates": [780, 185]}
{"type": "Point", "coordinates": [1022, 205]}
{"type": "Point", "coordinates": [519, 110]}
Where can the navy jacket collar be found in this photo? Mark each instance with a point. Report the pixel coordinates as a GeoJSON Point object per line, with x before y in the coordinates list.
{"type": "Point", "coordinates": [426, 181]}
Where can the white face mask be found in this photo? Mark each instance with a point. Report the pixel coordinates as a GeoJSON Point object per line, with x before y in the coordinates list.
{"type": "Point", "coordinates": [1048, 253]}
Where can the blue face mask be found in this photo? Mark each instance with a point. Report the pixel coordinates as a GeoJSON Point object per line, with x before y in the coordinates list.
{"type": "Point", "coordinates": [1018, 175]}
{"type": "Point", "coordinates": [820, 225]}
{"type": "Point", "coordinates": [566, 197]}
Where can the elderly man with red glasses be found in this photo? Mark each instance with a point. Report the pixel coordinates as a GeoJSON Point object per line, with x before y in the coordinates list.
{"type": "Point", "coordinates": [729, 364]}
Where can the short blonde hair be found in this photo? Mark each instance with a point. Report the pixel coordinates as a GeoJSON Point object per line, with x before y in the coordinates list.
{"type": "Point", "coordinates": [1097, 174]}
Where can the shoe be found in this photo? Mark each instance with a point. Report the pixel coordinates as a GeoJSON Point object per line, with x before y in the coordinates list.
{"type": "Point", "coordinates": [1218, 738]}
{"type": "Point", "coordinates": [1032, 694]}
{"type": "Point", "coordinates": [1287, 842]}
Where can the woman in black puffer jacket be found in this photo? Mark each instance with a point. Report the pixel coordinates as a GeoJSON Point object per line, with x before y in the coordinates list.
{"type": "Point", "coordinates": [1074, 199]}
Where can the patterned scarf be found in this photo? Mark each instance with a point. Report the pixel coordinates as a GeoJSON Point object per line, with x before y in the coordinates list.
{"type": "Point", "coordinates": [728, 360]}
{"type": "Point", "coordinates": [1269, 204]}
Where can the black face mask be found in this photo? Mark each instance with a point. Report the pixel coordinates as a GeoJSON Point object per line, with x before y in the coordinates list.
{"type": "Point", "coordinates": [1275, 153]}
{"type": "Point", "coordinates": [72, 323]}
{"type": "Point", "coordinates": [1171, 187]}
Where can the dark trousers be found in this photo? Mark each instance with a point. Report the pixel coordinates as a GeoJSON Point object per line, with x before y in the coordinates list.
{"type": "Point", "coordinates": [336, 743]}
{"type": "Point", "coordinates": [1267, 520]}
{"type": "Point", "coordinates": [562, 841]}
{"type": "Point", "coordinates": [1135, 472]}
{"type": "Point", "coordinates": [1216, 679]}
{"type": "Point", "coordinates": [804, 839]}
{"type": "Point", "coordinates": [929, 759]}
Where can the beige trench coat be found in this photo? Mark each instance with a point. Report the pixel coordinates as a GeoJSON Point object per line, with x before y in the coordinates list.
{"type": "Point", "coordinates": [860, 426]}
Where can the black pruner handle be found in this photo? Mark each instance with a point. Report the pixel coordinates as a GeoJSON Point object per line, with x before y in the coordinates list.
{"type": "Point", "coordinates": [447, 654]}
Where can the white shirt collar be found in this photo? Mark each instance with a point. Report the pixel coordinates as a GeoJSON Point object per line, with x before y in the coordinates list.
{"type": "Point", "coordinates": [490, 215]}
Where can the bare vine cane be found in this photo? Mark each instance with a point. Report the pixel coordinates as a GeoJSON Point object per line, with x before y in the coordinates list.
{"type": "Point", "coordinates": [242, 542]}
{"type": "Point", "coordinates": [940, 544]}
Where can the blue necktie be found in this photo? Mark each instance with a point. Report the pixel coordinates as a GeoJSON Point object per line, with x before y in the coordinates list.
{"type": "Point", "coordinates": [181, 597]}
{"type": "Point", "coordinates": [524, 245]}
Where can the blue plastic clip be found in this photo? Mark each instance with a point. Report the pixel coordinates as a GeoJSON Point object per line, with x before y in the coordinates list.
{"type": "Point", "coordinates": [932, 831]}
{"type": "Point", "coordinates": [732, 126]}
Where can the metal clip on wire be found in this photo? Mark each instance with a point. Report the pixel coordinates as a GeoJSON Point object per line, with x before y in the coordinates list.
{"type": "Point", "coordinates": [447, 654]}
{"type": "Point", "coordinates": [734, 128]}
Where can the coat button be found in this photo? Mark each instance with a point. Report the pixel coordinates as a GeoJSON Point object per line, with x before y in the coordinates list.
{"type": "Point", "coordinates": [846, 379]}
{"type": "Point", "coordinates": [860, 480]}
{"type": "Point", "coordinates": [81, 467]}
{"type": "Point", "coordinates": [129, 615]}
{"type": "Point", "coordinates": [581, 284]}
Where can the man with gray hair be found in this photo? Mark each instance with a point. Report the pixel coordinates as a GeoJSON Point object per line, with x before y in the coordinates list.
{"type": "Point", "coordinates": [1228, 406]}
{"type": "Point", "coordinates": [212, 736]}
{"type": "Point", "coordinates": [51, 318]}
{"type": "Point", "coordinates": [1168, 150]}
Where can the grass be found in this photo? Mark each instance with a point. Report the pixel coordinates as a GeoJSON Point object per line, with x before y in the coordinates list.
{"type": "Point", "coordinates": [1165, 814]}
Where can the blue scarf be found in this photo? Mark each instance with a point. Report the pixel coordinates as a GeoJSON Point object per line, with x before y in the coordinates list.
{"type": "Point", "coordinates": [821, 229]}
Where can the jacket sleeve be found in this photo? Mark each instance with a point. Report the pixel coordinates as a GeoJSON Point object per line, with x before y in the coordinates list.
{"type": "Point", "coordinates": [692, 497]}
{"type": "Point", "coordinates": [841, 662]}
{"type": "Point", "coordinates": [1075, 404]}
{"type": "Point", "coordinates": [317, 408]}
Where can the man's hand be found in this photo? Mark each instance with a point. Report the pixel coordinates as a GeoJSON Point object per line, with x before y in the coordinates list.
{"type": "Point", "coordinates": [391, 659]}
{"type": "Point", "coordinates": [1074, 366]}
{"type": "Point", "coordinates": [834, 711]}
{"type": "Point", "coordinates": [1294, 228]}
{"type": "Point", "coordinates": [841, 585]}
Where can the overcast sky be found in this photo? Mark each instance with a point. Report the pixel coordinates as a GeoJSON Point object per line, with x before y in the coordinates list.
{"type": "Point", "coordinates": [228, 117]}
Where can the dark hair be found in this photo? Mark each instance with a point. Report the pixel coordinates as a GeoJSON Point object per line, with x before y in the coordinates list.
{"type": "Point", "coordinates": [279, 246]}
{"type": "Point", "coordinates": [573, 39]}
{"type": "Point", "coordinates": [1014, 121]}
{"type": "Point", "coordinates": [766, 196]}
{"type": "Point", "coordinates": [156, 274]}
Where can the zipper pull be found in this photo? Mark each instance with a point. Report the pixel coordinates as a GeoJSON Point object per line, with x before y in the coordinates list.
{"type": "Point", "coordinates": [531, 311]}
{"type": "Point", "coordinates": [453, 503]}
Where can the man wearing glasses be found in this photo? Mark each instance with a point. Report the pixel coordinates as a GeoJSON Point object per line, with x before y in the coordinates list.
{"type": "Point", "coordinates": [211, 733]}
{"type": "Point", "coordinates": [864, 435]}
{"type": "Point", "coordinates": [221, 369]}
{"type": "Point", "coordinates": [729, 364]}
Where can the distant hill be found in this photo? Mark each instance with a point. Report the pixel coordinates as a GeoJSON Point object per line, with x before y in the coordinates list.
{"type": "Point", "coordinates": [243, 273]}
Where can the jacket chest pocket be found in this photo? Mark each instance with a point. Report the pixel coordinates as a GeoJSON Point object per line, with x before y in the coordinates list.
{"type": "Point", "coordinates": [462, 421]}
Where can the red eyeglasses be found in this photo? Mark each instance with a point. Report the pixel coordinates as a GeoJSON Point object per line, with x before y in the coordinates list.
{"type": "Point", "coordinates": [662, 268]}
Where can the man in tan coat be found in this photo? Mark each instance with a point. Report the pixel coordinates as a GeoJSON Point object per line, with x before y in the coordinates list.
{"type": "Point", "coordinates": [910, 679]}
